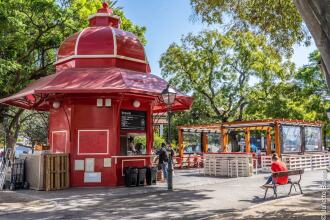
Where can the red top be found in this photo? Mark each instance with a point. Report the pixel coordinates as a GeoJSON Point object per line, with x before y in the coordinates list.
{"type": "Point", "coordinates": [280, 166]}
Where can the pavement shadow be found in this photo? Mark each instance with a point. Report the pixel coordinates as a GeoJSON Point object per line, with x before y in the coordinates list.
{"type": "Point", "coordinates": [306, 207]}
{"type": "Point", "coordinates": [179, 204]}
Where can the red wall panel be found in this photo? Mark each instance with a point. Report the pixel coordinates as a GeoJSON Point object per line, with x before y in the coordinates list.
{"type": "Point", "coordinates": [96, 130]}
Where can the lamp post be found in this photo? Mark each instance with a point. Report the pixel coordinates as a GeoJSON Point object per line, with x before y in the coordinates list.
{"type": "Point", "coordinates": [168, 97]}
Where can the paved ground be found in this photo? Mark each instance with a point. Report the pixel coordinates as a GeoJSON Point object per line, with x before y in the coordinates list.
{"type": "Point", "coordinates": [194, 197]}
{"type": "Point", "coordinates": [304, 207]}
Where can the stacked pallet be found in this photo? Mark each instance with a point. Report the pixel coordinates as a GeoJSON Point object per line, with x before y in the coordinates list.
{"type": "Point", "coordinates": [57, 171]}
{"type": "Point", "coordinates": [307, 161]}
{"type": "Point", "coordinates": [229, 165]}
{"type": "Point", "coordinates": [266, 162]}
{"type": "Point", "coordinates": [47, 171]}
{"type": "Point", "coordinates": [296, 162]}
{"type": "Point", "coordinates": [320, 161]}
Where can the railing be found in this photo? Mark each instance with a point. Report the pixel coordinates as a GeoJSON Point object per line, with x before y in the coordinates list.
{"type": "Point", "coordinates": [266, 162]}
{"type": "Point", "coordinates": [307, 161]}
{"type": "Point", "coordinates": [188, 161]}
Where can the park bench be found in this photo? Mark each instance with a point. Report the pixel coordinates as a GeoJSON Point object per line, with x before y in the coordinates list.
{"type": "Point", "coordinates": [290, 181]}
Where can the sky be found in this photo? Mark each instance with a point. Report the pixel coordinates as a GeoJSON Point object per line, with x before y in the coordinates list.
{"type": "Point", "coordinates": [168, 20]}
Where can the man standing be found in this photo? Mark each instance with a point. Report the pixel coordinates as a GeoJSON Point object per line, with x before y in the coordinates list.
{"type": "Point", "coordinates": [163, 160]}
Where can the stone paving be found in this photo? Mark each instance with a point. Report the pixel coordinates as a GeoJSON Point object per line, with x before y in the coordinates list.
{"type": "Point", "coordinates": [194, 197]}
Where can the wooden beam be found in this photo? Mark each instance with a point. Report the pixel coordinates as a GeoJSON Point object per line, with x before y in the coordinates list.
{"type": "Point", "coordinates": [205, 142]}
{"type": "Point", "coordinates": [277, 138]}
{"type": "Point", "coordinates": [180, 142]}
{"type": "Point", "coordinates": [224, 139]}
{"type": "Point", "coordinates": [267, 123]}
{"type": "Point", "coordinates": [247, 140]}
{"type": "Point", "coordinates": [268, 142]}
{"type": "Point", "coordinates": [201, 126]}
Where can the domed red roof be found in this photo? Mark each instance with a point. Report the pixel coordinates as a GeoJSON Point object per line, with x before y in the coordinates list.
{"type": "Point", "coordinates": [103, 44]}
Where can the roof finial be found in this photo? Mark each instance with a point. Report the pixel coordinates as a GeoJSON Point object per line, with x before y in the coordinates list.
{"type": "Point", "coordinates": [105, 5]}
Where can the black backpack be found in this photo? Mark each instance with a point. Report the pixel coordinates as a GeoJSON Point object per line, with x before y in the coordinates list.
{"type": "Point", "coordinates": [163, 157]}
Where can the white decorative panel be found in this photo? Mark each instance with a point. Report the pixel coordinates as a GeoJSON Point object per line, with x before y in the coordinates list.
{"type": "Point", "coordinates": [107, 162]}
{"type": "Point", "coordinates": [89, 164]}
{"type": "Point", "coordinates": [92, 177]}
{"type": "Point", "coordinates": [79, 165]}
{"type": "Point", "coordinates": [107, 102]}
{"type": "Point", "coordinates": [99, 102]}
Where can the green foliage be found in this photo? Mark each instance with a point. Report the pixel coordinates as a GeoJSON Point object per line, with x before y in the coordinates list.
{"type": "Point", "coordinates": [141, 139]}
{"type": "Point", "coordinates": [218, 69]}
{"type": "Point", "coordinates": [303, 97]}
{"type": "Point", "coordinates": [279, 20]}
{"type": "Point", "coordinates": [158, 140]}
{"type": "Point", "coordinates": [34, 127]}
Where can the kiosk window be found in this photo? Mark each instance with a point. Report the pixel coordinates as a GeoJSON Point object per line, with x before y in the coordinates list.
{"type": "Point", "coordinates": [133, 144]}
{"type": "Point", "coordinates": [291, 137]}
{"type": "Point", "coordinates": [313, 139]}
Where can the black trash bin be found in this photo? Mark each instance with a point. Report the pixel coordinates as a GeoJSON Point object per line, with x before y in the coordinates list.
{"type": "Point", "coordinates": [151, 175]}
{"type": "Point", "coordinates": [131, 176]}
{"type": "Point", "coordinates": [141, 176]}
{"type": "Point", "coordinates": [17, 180]}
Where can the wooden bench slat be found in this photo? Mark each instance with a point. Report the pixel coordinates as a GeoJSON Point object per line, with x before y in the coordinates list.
{"type": "Point", "coordinates": [287, 173]}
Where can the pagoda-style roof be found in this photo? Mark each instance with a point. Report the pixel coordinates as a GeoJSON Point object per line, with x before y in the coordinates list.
{"type": "Point", "coordinates": [95, 81]}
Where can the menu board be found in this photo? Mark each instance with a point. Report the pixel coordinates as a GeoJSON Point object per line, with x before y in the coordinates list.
{"type": "Point", "coordinates": [132, 120]}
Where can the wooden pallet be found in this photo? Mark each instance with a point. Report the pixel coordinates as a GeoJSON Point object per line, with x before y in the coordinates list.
{"type": "Point", "coordinates": [266, 162]}
{"type": "Point", "coordinates": [228, 165]}
{"type": "Point", "coordinates": [307, 161]}
{"type": "Point", "coordinates": [57, 171]}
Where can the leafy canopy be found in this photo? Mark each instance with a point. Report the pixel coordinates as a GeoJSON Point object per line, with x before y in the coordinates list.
{"type": "Point", "coordinates": [279, 20]}
{"type": "Point", "coordinates": [220, 68]}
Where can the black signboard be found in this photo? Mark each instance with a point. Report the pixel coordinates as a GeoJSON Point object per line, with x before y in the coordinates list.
{"type": "Point", "coordinates": [132, 120]}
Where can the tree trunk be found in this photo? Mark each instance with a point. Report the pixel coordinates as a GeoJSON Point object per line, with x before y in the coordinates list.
{"type": "Point", "coordinates": [12, 129]}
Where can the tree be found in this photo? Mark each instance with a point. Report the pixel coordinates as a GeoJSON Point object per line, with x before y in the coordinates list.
{"type": "Point", "coordinates": [303, 97]}
{"type": "Point", "coordinates": [35, 128]}
{"type": "Point", "coordinates": [279, 20]}
{"type": "Point", "coordinates": [220, 68]}
{"type": "Point", "coordinates": [30, 33]}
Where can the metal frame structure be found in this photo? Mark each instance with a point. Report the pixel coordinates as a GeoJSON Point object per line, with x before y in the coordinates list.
{"type": "Point", "coordinates": [267, 125]}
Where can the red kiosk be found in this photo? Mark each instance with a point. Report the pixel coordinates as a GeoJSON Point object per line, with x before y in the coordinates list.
{"type": "Point", "coordinates": [101, 101]}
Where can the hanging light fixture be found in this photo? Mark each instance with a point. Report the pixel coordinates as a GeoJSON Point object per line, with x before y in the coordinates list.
{"type": "Point", "coordinates": [168, 96]}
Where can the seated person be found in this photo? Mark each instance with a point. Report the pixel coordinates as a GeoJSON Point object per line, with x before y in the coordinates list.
{"type": "Point", "coordinates": [277, 166]}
